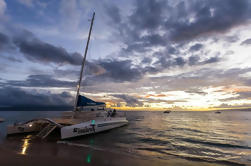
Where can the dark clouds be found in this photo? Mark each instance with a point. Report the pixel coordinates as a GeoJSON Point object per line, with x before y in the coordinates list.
{"type": "Point", "coordinates": [5, 42]}
{"type": "Point", "coordinates": [147, 14]}
{"type": "Point", "coordinates": [120, 70]}
{"type": "Point", "coordinates": [41, 81]}
{"type": "Point", "coordinates": [159, 23]}
{"type": "Point", "coordinates": [114, 13]}
{"type": "Point", "coordinates": [184, 21]}
{"type": "Point", "coordinates": [196, 47]}
{"type": "Point", "coordinates": [246, 42]}
{"type": "Point", "coordinates": [209, 16]}
{"type": "Point", "coordinates": [130, 100]}
{"type": "Point", "coordinates": [10, 96]}
{"type": "Point", "coordinates": [39, 51]}
{"type": "Point", "coordinates": [211, 60]}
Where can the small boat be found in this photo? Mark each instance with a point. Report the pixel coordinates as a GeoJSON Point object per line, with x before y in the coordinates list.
{"type": "Point", "coordinates": [88, 117]}
{"type": "Point", "coordinates": [217, 112]}
{"type": "Point", "coordinates": [167, 111]}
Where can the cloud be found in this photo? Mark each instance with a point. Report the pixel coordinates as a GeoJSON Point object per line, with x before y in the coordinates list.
{"type": "Point", "coordinates": [193, 60]}
{"type": "Point", "coordinates": [71, 15]}
{"type": "Point", "coordinates": [107, 70]}
{"type": "Point", "coordinates": [113, 13]}
{"type": "Point", "coordinates": [196, 47]}
{"type": "Point", "coordinates": [39, 51]}
{"type": "Point", "coordinates": [211, 60]}
{"type": "Point", "coordinates": [200, 79]}
{"type": "Point", "coordinates": [41, 81]}
{"type": "Point", "coordinates": [10, 96]}
{"type": "Point", "coordinates": [147, 14]}
{"type": "Point", "coordinates": [160, 23]}
{"type": "Point", "coordinates": [27, 3]}
{"type": "Point", "coordinates": [120, 70]}
{"type": "Point", "coordinates": [4, 41]}
{"type": "Point", "coordinates": [208, 17]}
{"type": "Point", "coordinates": [130, 100]}
{"type": "Point", "coordinates": [244, 95]}
{"type": "Point", "coordinates": [246, 42]}
{"type": "Point", "coordinates": [3, 7]}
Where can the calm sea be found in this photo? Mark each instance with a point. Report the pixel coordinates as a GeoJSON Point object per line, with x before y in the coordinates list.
{"type": "Point", "coordinates": [194, 136]}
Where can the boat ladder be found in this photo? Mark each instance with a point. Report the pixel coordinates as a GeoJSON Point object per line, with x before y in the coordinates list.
{"type": "Point", "coordinates": [46, 130]}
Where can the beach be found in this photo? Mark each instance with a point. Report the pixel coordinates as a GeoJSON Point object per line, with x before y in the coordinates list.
{"type": "Point", "coordinates": [65, 155]}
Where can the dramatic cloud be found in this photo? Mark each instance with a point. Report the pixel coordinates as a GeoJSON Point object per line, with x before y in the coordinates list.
{"type": "Point", "coordinates": [10, 96]}
{"type": "Point", "coordinates": [130, 100]}
{"type": "Point", "coordinates": [120, 70]}
{"type": "Point", "coordinates": [4, 41]}
{"type": "Point", "coordinates": [39, 51]}
{"type": "Point", "coordinates": [157, 23]}
{"type": "Point", "coordinates": [41, 81]}
{"type": "Point", "coordinates": [196, 47]}
{"type": "Point", "coordinates": [114, 13]}
{"type": "Point", "coordinates": [246, 42]}
{"type": "Point", "coordinates": [204, 17]}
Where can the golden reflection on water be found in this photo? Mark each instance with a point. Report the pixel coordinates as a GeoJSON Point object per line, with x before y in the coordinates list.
{"type": "Point", "coordinates": [25, 144]}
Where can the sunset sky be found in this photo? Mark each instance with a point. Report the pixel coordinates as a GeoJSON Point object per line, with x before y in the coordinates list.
{"type": "Point", "coordinates": [176, 54]}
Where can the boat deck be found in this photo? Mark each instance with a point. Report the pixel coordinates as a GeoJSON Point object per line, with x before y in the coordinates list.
{"type": "Point", "coordinates": [71, 118]}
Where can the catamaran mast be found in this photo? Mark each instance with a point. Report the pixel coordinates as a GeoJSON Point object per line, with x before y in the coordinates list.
{"type": "Point", "coordinates": [83, 63]}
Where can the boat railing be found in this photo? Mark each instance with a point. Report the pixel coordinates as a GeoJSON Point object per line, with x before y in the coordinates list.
{"type": "Point", "coordinates": [39, 119]}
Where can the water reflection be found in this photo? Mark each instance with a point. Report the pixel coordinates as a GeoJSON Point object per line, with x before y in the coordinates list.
{"type": "Point", "coordinates": [25, 144]}
{"type": "Point", "coordinates": [89, 154]}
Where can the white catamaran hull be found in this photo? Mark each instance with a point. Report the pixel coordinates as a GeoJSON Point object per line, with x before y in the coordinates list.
{"type": "Point", "coordinates": [92, 127]}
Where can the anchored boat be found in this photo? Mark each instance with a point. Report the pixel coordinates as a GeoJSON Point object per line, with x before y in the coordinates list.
{"type": "Point", "coordinates": [88, 117]}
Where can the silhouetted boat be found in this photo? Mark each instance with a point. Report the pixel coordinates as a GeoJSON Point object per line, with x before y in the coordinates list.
{"type": "Point", "coordinates": [217, 112]}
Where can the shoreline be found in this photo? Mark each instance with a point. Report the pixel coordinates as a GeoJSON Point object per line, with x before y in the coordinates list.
{"type": "Point", "coordinates": [48, 153]}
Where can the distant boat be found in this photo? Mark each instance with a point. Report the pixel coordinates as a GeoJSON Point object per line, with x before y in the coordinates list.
{"type": "Point", "coordinates": [217, 112]}
{"type": "Point", "coordinates": [167, 111]}
{"type": "Point", "coordinates": [92, 119]}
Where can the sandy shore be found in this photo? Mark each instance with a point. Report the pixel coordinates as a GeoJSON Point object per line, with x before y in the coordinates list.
{"type": "Point", "coordinates": [53, 154]}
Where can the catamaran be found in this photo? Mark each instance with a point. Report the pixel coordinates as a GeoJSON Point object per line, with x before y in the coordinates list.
{"type": "Point", "coordinates": [88, 117]}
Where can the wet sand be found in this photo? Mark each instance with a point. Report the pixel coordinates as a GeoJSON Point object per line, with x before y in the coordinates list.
{"type": "Point", "coordinates": [48, 153]}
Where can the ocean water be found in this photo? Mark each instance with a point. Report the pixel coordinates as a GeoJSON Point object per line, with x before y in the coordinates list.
{"type": "Point", "coordinates": [223, 139]}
